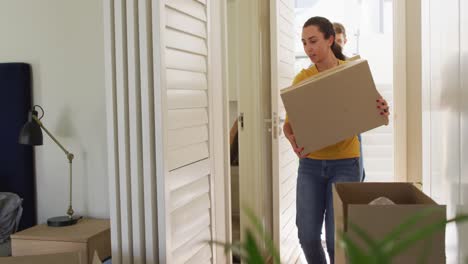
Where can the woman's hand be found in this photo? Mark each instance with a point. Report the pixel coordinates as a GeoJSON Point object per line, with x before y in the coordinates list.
{"type": "Point", "coordinates": [383, 108]}
{"type": "Point", "coordinates": [288, 132]}
{"type": "Point", "coordinates": [298, 150]}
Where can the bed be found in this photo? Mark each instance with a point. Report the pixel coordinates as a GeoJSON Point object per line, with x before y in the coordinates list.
{"type": "Point", "coordinates": [16, 161]}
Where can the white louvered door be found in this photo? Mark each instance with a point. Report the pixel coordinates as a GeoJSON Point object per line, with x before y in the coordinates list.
{"type": "Point", "coordinates": [284, 159]}
{"type": "Point", "coordinates": [188, 129]}
{"type": "Point", "coordinates": [165, 118]}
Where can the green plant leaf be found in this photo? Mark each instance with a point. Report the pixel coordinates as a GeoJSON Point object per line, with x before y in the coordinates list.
{"type": "Point", "coordinates": [423, 233]}
{"type": "Point", "coordinates": [383, 251]}
{"type": "Point", "coordinates": [249, 251]}
{"type": "Point", "coordinates": [253, 252]}
{"type": "Point", "coordinates": [388, 241]}
{"type": "Point", "coordinates": [424, 256]}
{"type": "Point", "coordinates": [235, 248]}
{"type": "Point", "coordinates": [265, 237]}
{"type": "Point", "coordinates": [355, 254]}
{"type": "Point", "coordinates": [373, 245]}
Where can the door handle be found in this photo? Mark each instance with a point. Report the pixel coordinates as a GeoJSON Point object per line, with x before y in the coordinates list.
{"type": "Point", "coordinates": [241, 120]}
{"type": "Point", "coordinates": [280, 126]}
{"type": "Point", "coordinates": [268, 121]}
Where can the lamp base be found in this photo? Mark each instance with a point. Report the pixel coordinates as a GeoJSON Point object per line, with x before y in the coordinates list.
{"type": "Point", "coordinates": [60, 221]}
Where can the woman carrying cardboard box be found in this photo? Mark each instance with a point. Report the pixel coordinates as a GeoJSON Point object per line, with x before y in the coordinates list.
{"type": "Point", "coordinates": [320, 169]}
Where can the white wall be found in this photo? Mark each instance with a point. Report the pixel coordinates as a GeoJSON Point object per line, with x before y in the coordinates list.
{"type": "Point", "coordinates": [63, 41]}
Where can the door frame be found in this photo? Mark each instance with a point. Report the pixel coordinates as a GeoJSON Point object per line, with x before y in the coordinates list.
{"type": "Point", "coordinates": [407, 97]}
{"type": "Point", "coordinates": [407, 87]}
{"type": "Point", "coordinates": [219, 130]}
{"type": "Point", "coordinates": [399, 90]}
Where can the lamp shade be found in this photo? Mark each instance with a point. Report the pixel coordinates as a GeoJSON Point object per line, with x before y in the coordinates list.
{"type": "Point", "coordinates": [31, 133]}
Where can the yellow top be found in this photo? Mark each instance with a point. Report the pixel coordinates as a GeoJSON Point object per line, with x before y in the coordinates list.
{"type": "Point", "coordinates": [348, 148]}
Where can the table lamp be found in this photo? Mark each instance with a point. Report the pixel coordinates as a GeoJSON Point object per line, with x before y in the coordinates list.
{"type": "Point", "coordinates": [31, 134]}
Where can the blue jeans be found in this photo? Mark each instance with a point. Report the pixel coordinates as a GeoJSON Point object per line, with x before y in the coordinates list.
{"type": "Point", "coordinates": [314, 202]}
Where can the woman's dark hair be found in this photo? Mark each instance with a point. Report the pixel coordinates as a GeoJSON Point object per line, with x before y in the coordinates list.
{"type": "Point", "coordinates": [326, 27]}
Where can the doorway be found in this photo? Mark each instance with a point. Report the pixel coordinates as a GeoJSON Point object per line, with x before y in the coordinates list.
{"type": "Point", "coordinates": [369, 26]}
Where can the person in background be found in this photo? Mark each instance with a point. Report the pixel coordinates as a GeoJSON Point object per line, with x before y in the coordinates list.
{"type": "Point", "coordinates": [319, 170]}
{"type": "Point", "coordinates": [340, 33]}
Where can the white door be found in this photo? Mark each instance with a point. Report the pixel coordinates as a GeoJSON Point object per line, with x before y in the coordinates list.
{"type": "Point", "coordinates": [191, 121]}
{"type": "Point", "coordinates": [165, 119]}
{"type": "Point", "coordinates": [284, 160]}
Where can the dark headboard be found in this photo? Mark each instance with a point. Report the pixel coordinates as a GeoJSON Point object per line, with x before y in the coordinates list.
{"type": "Point", "coordinates": [16, 161]}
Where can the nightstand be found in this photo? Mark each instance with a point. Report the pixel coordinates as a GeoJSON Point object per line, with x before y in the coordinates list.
{"type": "Point", "coordinates": [87, 236]}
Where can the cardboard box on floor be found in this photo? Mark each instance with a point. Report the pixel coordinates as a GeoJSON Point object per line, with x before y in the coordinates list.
{"type": "Point", "coordinates": [57, 258]}
{"type": "Point", "coordinates": [351, 205]}
{"type": "Point", "coordinates": [333, 105]}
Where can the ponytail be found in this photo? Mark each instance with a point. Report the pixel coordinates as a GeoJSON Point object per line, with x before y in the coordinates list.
{"type": "Point", "coordinates": [338, 51]}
